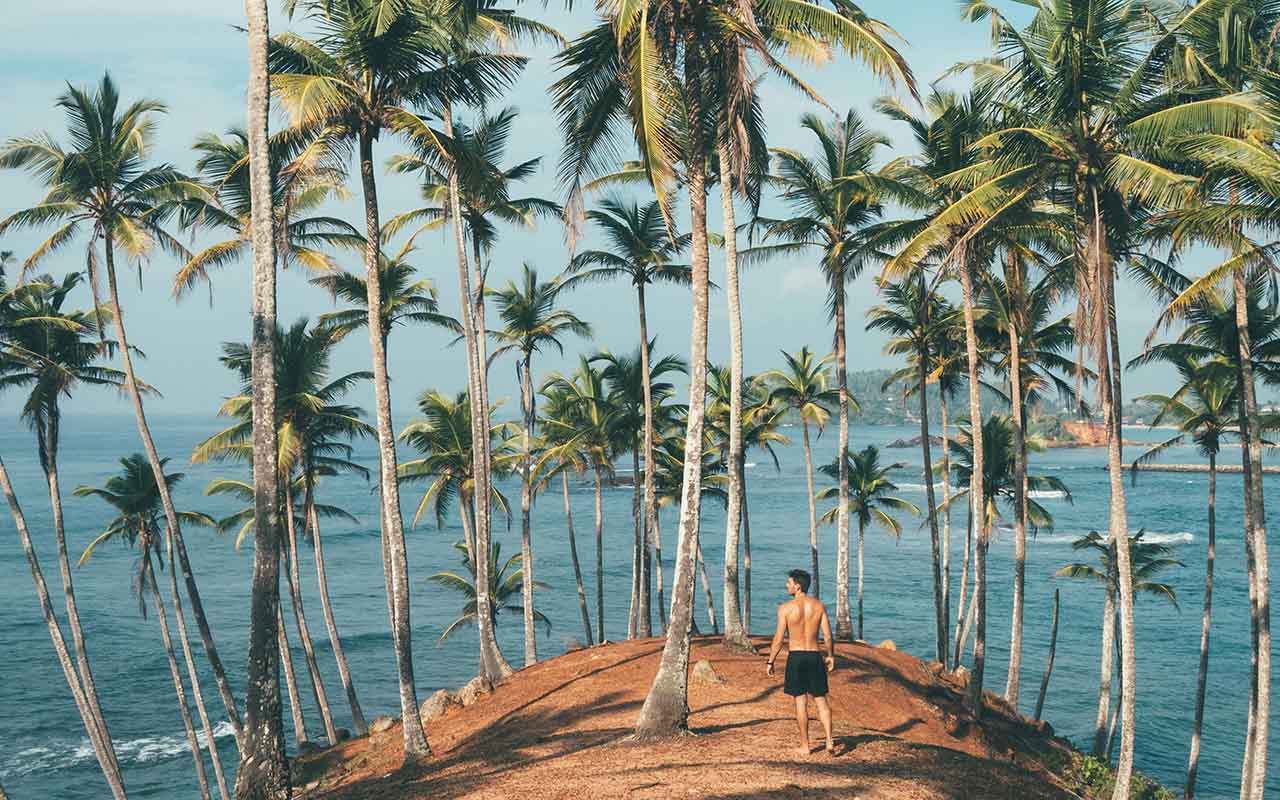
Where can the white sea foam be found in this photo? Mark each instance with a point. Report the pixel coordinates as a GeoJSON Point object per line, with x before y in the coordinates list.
{"type": "Point", "coordinates": [1150, 537]}
{"type": "Point", "coordinates": [919, 487]}
{"type": "Point", "coordinates": [1047, 494]}
{"type": "Point", "coordinates": [145, 750]}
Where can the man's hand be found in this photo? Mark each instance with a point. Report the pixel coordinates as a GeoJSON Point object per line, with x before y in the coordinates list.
{"type": "Point", "coordinates": [831, 663]}
{"type": "Point", "coordinates": [768, 668]}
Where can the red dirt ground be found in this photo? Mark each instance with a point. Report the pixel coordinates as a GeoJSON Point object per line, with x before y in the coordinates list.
{"type": "Point", "coordinates": [559, 730]}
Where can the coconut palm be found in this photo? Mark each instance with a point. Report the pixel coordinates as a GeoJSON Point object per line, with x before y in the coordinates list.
{"type": "Point", "coordinates": [54, 352]}
{"type": "Point", "coordinates": [869, 500]}
{"type": "Point", "coordinates": [531, 322]}
{"type": "Point", "coordinates": [595, 422]}
{"type": "Point", "coordinates": [314, 429]}
{"type": "Point", "coordinates": [635, 392]}
{"type": "Point", "coordinates": [503, 592]}
{"type": "Point", "coordinates": [918, 320]}
{"type": "Point", "coordinates": [834, 199]}
{"type": "Point", "coordinates": [1204, 409]}
{"type": "Point", "coordinates": [640, 250]}
{"type": "Point", "coordinates": [804, 386]}
{"type": "Point", "coordinates": [135, 497]}
{"type": "Point", "coordinates": [405, 301]}
{"type": "Point", "coordinates": [1001, 481]}
{"type": "Point", "coordinates": [102, 185]}
{"type": "Point", "coordinates": [299, 191]}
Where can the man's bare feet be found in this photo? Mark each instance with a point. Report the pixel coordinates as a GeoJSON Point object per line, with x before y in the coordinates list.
{"type": "Point", "coordinates": [831, 748]}
{"type": "Point", "coordinates": [804, 751]}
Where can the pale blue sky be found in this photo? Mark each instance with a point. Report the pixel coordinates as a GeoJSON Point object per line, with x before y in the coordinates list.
{"type": "Point", "coordinates": [188, 54]}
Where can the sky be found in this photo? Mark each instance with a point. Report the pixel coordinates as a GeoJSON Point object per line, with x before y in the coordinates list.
{"type": "Point", "coordinates": [190, 55]}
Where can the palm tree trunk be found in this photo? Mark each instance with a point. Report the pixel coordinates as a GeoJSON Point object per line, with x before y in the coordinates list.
{"type": "Point", "coordinates": [1246, 786]}
{"type": "Point", "coordinates": [49, 451]}
{"type": "Point", "coordinates": [735, 636]}
{"type": "Point", "coordinates": [969, 617]}
{"type": "Point", "coordinates": [599, 554]}
{"type": "Point", "coordinates": [330, 623]}
{"type": "Point", "coordinates": [1202, 676]}
{"type": "Point", "coordinates": [813, 508]}
{"type": "Point", "coordinates": [1014, 281]}
{"type": "Point", "coordinates": [666, 707]}
{"type": "Point", "coordinates": [1116, 715]}
{"type": "Point", "coordinates": [291, 681]}
{"type": "Point", "coordinates": [946, 515]}
{"type": "Point", "coordinates": [492, 664]}
{"type": "Point", "coordinates": [633, 608]}
{"type": "Point", "coordinates": [318, 692]}
{"type": "Point", "coordinates": [1048, 665]}
{"type": "Point", "coordinates": [650, 526]}
{"type": "Point", "coordinates": [107, 762]}
{"type": "Point", "coordinates": [977, 498]}
{"type": "Point", "coordinates": [746, 557]}
{"type": "Point", "coordinates": [657, 560]}
{"type": "Point", "coordinates": [862, 531]}
{"type": "Point", "coordinates": [1109, 382]}
{"type": "Point", "coordinates": [573, 557]}
{"type": "Point", "coordinates": [844, 621]}
{"type": "Point", "coordinates": [416, 749]}
{"type": "Point", "coordinates": [149, 580]}
{"type": "Point", "coordinates": [964, 587]}
{"type": "Point", "coordinates": [526, 507]}
{"type": "Point", "coordinates": [263, 773]}
{"type": "Point", "coordinates": [467, 513]}
{"type": "Point", "coordinates": [1261, 579]}
{"type": "Point", "coordinates": [706, 588]}
{"type": "Point", "coordinates": [166, 498]}
{"type": "Point", "coordinates": [644, 616]}
{"type": "Point", "coordinates": [939, 615]}
{"type": "Point", "coordinates": [192, 675]}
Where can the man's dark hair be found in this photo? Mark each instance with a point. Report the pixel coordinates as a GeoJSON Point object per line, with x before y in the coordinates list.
{"type": "Point", "coordinates": [801, 578]}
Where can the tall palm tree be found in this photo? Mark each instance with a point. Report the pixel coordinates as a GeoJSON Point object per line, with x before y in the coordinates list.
{"type": "Point", "coordinates": [634, 392]}
{"type": "Point", "coordinates": [301, 184]}
{"type": "Point", "coordinates": [1203, 409]}
{"type": "Point", "coordinates": [531, 322]}
{"type": "Point", "coordinates": [134, 495]}
{"type": "Point", "coordinates": [640, 250]}
{"type": "Point", "coordinates": [505, 581]}
{"type": "Point", "coordinates": [918, 320]}
{"type": "Point", "coordinates": [104, 184]}
{"type": "Point", "coordinates": [45, 347]}
{"type": "Point", "coordinates": [869, 501]}
{"type": "Point", "coordinates": [835, 199]}
{"type": "Point", "coordinates": [314, 431]}
{"type": "Point", "coordinates": [405, 301]}
{"type": "Point", "coordinates": [804, 386]}
{"type": "Point", "coordinates": [595, 423]}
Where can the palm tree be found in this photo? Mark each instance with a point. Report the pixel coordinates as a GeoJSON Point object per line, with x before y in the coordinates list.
{"type": "Point", "coordinates": [134, 495]}
{"type": "Point", "coordinates": [1148, 560]}
{"type": "Point", "coordinates": [635, 393]}
{"type": "Point", "coordinates": [595, 424]}
{"type": "Point", "coordinates": [504, 588]}
{"type": "Point", "coordinates": [42, 345]}
{"type": "Point", "coordinates": [869, 500]}
{"type": "Point", "coordinates": [263, 772]}
{"type": "Point", "coordinates": [1203, 408]}
{"type": "Point", "coordinates": [299, 190]}
{"type": "Point", "coordinates": [531, 322]}
{"type": "Point", "coordinates": [918, 320]}
{"type": "Point", "coordinates": [104, 184]}
{"type": "Point", "coordinates": [804, 387]}
{"type": "Point", "coordinates": [314, 431]}
{"type": "Point", "coordinates": [835, 200]}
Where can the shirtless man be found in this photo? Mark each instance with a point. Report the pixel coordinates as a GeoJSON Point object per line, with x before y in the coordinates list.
{"type": "Point", "coordinates": [799, 619]}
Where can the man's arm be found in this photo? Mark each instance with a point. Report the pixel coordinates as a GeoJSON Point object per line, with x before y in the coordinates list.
{"type": "Point", "coordinates": [829, 639]}
{"type": "Point", "coordinates": [777, 640]}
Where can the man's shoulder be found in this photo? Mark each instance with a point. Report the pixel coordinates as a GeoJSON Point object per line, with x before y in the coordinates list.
{"type": "Point", "coordinates": [815, 603]}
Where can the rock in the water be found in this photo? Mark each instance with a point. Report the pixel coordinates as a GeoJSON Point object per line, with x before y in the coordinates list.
{"type": "Point", "coordinates": [887, 644]}
{"type": "Point", "coordinates": [571, 644]}
{"type": "Point", "coordinates": [381, 725]}
{"type": "Point", "coordinates": [438, 704]}
{"type": "Point", "coordinates": [705, 673]}
{"type": "Point", "coordinates": [477, 688]}
{"type": "Point", "coordinates": [344, 734]}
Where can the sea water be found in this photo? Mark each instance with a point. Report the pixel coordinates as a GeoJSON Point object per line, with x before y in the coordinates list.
{"type": "Point", "coordinates": [44, 752]}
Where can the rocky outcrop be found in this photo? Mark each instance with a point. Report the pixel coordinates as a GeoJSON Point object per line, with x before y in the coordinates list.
{"type": "Point", "coordinates": [477, 688]}
{"type": "Point", "coordinates": [703, 672]}
{"type": "Point", "coordinates": [439, 704]}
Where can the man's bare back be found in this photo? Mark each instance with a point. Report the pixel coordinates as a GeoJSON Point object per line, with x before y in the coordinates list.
{"type": "Point", "coordinates": [803, 616]}
{"type": "Point", "coordinates": [799, 621]}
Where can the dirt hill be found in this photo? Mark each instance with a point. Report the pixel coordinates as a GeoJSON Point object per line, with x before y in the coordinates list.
{"type": "Point", "coordinates": [559, 730]}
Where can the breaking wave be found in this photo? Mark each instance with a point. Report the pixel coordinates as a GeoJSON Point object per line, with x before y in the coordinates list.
{"type": "Point", "coordinates": [144, 750]}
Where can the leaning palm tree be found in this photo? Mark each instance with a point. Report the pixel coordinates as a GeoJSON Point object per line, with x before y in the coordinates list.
{"type": "Point", "coordinates": [919, 320]}
{"type": "Point", "coordinates": [531, 322]}
{"type": "Point", "coordinates": [504, 590]}
{"type": "Point", "coordinates": [869, 500]}
{"type": "Point", "coordinates": [804, 386]}
{"type": "Point", "coordinates": [834, 198]}
{"type": "Point", "coordinates": [135, 497]}
{"type": "Point", "coordinates": [103, 186]}
{"type": "Point", "coordinates": [45, 347]}
{"type": "Point", "coordinates": [1204, 410]}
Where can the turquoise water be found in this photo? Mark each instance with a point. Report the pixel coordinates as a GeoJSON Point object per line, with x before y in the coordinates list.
{"type": "Point", "coordinates": [45, 752]}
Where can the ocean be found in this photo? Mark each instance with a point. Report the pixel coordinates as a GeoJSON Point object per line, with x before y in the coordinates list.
{"type": "Point", "coordinates": [45, 752]}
